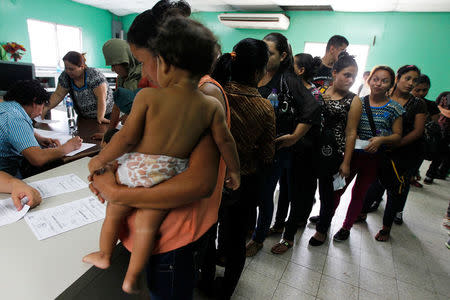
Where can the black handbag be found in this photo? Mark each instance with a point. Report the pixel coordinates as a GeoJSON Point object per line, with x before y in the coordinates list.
{"type": "Point", "coordinates": [329, 159]}
{"type": "Point", "coordinates": [390, 174]}
{"type": "Point", "coordinates": [432, 136]}
{"type": "Point", "coordinates": [286, 110]}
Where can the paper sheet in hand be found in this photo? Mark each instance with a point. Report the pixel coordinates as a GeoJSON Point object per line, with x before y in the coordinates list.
{"type": "Point", "coordinates": [53, 221]}
{"type": "Point", "coordinates": [9, 213]}
{"type": "Point", "coordinates": [62, 138]}
{"type": "Point", "coordinates": [59, 185]}
{"type": "Point", "coordinates": [361, 144]}
{"type": "Point", "coordinates": [338, 182]}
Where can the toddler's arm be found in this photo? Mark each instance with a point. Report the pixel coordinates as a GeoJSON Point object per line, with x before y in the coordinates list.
{"type": "Point", "coordinates": [130, 134]}
{"type": "Point", "coordinates": [227, 146]}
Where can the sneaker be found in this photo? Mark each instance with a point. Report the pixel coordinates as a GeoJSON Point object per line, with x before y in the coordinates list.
{"type": "Point", "coordinates": [448, 244]}
{"type": "Point", "coordinates": [398, 219]}
{"type": "Point", "coordinates": [252, 248]}
{"type": "Point", "coordinates": [314, 219]}
{"type": "Point", "coordinates": [341, 235]}
{"type": "Point", "coordinates": [428, 180]}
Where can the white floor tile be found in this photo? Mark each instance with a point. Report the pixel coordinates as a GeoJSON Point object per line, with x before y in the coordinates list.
{"type": "Point", "coordinates": [268, 265]}
{"type": "Point", "coordinates": [253, 285]}
{"type": "Point", "coordinates": [287, 292]}
{"type": "Point", "coordinates": [366, 295]}
{"type": "Point", "coordinates": [411, 292]}
{"type": "Point", "coordinates": [301, 278]}
{"type": "Point", "coordinates": [383, 264]}
{"type": "Point", "coordinates": [341, 270]}
{"type": "Point", "coordinates": [377, 283]}
{"type": "Point", "coordinates": [333, 289]}
{"type": "Point", "coordinates": [414, 276]}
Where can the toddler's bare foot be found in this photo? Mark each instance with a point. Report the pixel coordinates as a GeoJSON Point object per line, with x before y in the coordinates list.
{"type": "Point", "coordinates": [98, 259]}
{"type": "Point", "coordinates": [131, 286]}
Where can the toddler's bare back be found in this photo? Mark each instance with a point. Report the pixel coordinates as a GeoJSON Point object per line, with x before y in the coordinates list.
{"type": "Point", "coordinates": [175, 118]}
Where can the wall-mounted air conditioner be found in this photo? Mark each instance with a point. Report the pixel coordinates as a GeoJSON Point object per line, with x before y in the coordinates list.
{"type": "Point", "coordinates": [255, 21]}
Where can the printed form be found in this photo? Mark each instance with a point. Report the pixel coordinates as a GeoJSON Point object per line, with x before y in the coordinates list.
{"type": "Point", "coordinates": [53, 221]}
{"type": "Point", "coordinates": [62, 138]}
{"type": "Point", "coordinates": [47, 188]}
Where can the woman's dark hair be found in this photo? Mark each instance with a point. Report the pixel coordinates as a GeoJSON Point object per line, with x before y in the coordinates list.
{"type": "Point", "coordinates": [383, 68]}
{"type": "Point", "coordinates": [442, 95]}
{"type": "Point", "coordinates": [305, 60]}
{"type": "Point", "coordinates": [248, 57]}
{"type": "Point", "coordinates": [27, 92]}
{"type": "Point", "coordinates": [282, 45]}
{"type": "Point", "coordinates": [75, 58]}
{"type": "Point", "coordinates": [144, 28]}
{"type": "Point", "coordinates": [402, 71]}
{"type": "Point", "coordinates": [405, 69]}
{"type": "Point", "coordinates": [345, 60]}
{"type": "Point", "coordinates": [424, 79]}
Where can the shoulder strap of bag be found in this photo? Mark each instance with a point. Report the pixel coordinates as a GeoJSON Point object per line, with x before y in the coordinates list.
{"type": "Point", "coordinates": [370, 116]}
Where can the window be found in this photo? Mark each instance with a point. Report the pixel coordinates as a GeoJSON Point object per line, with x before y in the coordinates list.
{"type": "Point", "coordinates": [49, 42]}
{"type": "Point", "coordinates": [359, 51]}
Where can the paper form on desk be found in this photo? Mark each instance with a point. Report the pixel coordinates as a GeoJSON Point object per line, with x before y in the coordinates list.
{"type": "Point", "coordinates": [59, 185]}
{"type": "Point", "coordinates": [56, 220]}
{"type": "Point", "coordinates": [47, 188]}
{"type": "Point", "coordinates": [63, 138]}
{"type": "Point", "coordinates": [9, 213]}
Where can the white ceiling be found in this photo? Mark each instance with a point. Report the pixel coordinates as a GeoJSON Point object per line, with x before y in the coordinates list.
{"type": "Point", "coordinates": [125, 7]}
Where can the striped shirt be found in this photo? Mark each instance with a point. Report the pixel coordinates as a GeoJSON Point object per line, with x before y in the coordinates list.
{"type": "Point", "coordinates": [252, 126]}
{"type": "Point", "coordinates": [16, 135]}
{"type": "Point", "coordinates": [383, 116]}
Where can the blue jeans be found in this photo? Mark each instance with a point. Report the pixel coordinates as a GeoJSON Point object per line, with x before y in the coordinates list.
{"type": "Point", "coordinates": [282, 165]}
{"type": "Point", "coordinates": [172, 275]}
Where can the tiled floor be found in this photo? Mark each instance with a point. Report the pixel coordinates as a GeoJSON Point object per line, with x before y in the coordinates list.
{"type": "Point", "coordinates": [414, 264]}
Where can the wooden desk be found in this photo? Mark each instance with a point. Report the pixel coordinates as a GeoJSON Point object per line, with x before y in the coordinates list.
{"type": "Point", "coordinates": [32, 269]}
{"type": "Point", "coordinates": [86, 128]}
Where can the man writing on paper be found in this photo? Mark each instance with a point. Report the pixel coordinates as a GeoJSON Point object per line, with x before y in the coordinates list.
{"type": "Point", "coordinates": [23, 102]}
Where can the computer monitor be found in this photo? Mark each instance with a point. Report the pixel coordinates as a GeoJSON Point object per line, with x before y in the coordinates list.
{"type": "Point", "coordinates": [11, 72]}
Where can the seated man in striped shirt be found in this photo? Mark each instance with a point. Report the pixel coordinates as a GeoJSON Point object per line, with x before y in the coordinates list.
{"type": "Point", "coordinates": [22, 103]}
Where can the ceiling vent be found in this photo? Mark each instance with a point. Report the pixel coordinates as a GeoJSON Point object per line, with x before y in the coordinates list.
{"type": "Point", "coordinates": [255, 21]}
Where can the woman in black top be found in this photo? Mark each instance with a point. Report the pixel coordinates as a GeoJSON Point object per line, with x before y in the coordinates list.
{"type": "Point", "coordinates": [406, 154]}
{"type": "Point", "coordinates": [296, 112]}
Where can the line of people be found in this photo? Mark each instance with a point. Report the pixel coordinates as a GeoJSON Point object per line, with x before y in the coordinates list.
{"type": "Point", "coordinates": [313, 130]}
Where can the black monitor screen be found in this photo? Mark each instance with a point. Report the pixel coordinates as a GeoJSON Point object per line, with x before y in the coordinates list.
{"type": "Point", "coordinates": [11, 72]}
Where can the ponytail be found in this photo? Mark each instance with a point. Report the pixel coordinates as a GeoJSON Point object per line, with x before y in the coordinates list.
{"type": "Point", "coordinates": [222, 69]}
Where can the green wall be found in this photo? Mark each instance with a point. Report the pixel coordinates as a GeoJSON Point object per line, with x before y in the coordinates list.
{"type": "Point", "coordinates": [401, 38]}
{"type": "Point", "coordinates": [95, 24]}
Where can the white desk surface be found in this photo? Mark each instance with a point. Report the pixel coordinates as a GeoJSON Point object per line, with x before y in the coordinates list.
{"type": "Point", "coordinates": [35, 270]}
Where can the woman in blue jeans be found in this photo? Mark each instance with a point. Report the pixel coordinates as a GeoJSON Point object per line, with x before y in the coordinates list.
{"type": "Point", "coordinates": [295, 113]}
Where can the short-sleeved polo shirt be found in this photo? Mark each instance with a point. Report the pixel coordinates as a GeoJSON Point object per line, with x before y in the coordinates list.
{"type": "Point", "coordinates": [16, 135]}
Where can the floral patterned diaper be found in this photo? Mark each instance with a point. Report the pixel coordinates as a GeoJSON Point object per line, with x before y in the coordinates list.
{"type": "Point", "coordinates": [138, 169]}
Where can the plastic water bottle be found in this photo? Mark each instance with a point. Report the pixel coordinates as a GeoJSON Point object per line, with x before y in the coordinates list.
{"type": "Point", "coordinates": [70, 114]}
{"type": "Point", "coordinates": [273, 98]}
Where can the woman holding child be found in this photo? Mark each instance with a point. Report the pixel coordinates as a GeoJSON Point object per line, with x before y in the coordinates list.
{"type": "Point", "coordinates": [182, 232]}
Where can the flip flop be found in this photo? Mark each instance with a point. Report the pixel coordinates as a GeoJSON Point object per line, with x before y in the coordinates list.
{"type": "Point", "coordinates": [281, 247]}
